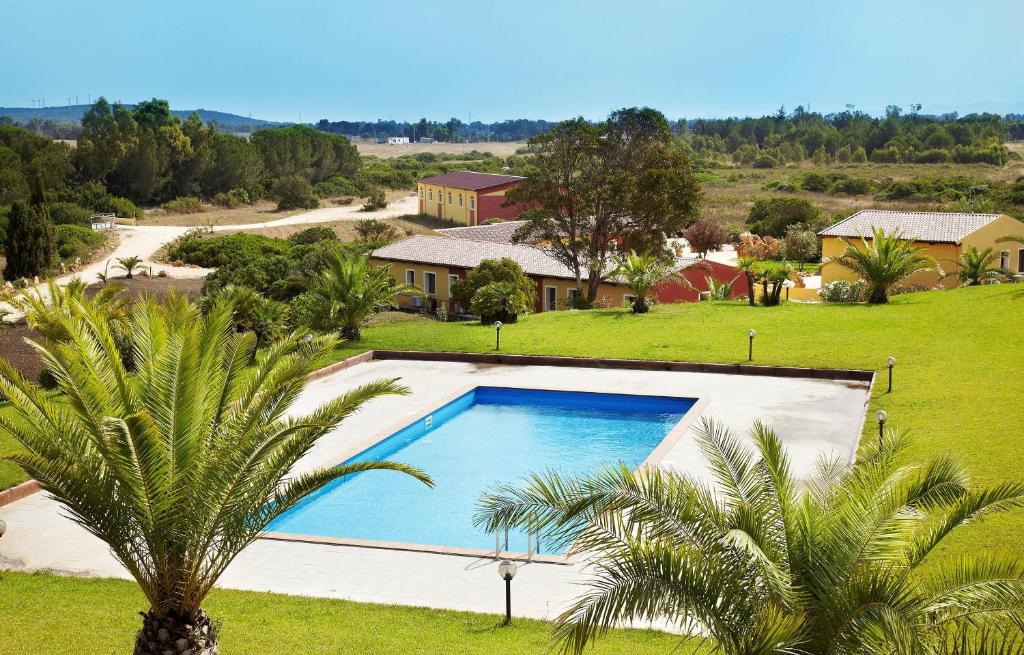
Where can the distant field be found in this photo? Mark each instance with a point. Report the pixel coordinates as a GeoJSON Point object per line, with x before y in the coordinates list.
{"type": "Point", "coordinates": [385, 151]}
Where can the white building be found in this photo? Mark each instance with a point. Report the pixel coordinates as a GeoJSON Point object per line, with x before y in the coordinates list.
{"type": "Point", "coordinates": [393, 140]}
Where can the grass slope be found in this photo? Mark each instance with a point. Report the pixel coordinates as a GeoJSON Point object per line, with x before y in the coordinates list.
{"type": "Point", "coordinates": [957, 380]}
{"type": "Point", "coordinates": [101, 617]}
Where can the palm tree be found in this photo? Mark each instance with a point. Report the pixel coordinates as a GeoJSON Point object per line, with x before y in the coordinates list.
{"type": "Point", "coordinates": [641, 273]}
{"type": "Point", "coordinates": [50, 312]}
{"type": "Point", "coordinates": [762, 563]}
{"type": "Point", "coordinates": [884, 262]}
{"type": "Point", "coordinates": [179, 466]}
{"type": "Point", "coordinates": [975, 266]}
{"type": "Point", "coordinates": [749, 267]}
{"type": "Point", "coordinates": [128, 264]}
{"type": "Point", "coordinates": [351, 290]}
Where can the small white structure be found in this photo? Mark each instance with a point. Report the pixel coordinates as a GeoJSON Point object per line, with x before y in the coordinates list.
{"type": "Point", "coordinates": [393, 140]}
{"type": "Point", "coordinates": [425, 139]}
{"type": "Point", "coordinates": [101, 222]}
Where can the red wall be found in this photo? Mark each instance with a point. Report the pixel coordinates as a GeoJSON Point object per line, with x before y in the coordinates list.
{"type": "Point", "coordinates": [668, 292]}
{"type": "Point", "coordinates": [490, 206]}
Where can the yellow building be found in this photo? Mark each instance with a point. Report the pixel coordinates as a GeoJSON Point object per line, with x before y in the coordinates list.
{"type": "Point", "coordinates": [943, 235]}
{"type": "Point", "coordinates": [466, 197]}
{"type": "Point", "coordinates": [434, 264]}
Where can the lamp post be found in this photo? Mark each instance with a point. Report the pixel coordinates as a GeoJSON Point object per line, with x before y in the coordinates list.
{"type": "Point", "coordinates": [497, 335]}
{"type": "Point", "coordinates": [507, 571]}
{"type": "Point", "coordinates": [751, 333]}
{"type": "Point", "coordinates": [889, 363]}
{"type": "Point", "coordinates": [881, 417]}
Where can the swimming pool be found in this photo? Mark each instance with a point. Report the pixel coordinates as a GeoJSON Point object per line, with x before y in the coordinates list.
{"type": "Point", "coordinates": [487, 436]}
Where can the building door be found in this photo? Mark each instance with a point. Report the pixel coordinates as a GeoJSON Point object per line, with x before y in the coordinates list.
{"type": "Point", "coordinates": [1020, 260]}
{"type": "Point", "coordinates": [550, 299]}
{"type": "Point", "coordinates": [440, 207]}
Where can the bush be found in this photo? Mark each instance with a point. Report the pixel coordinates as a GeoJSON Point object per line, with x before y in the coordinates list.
{"type": "Point", "coordinates": [233, 198]}
{"type": "Point", "coordinates": [312, 235]}
{"type": "Point", "coordinates": [219, 251]}
{"type": "Point", "coordinates": [67, 213]}
{"type": "Point", "coordinates": [499, 301]}
{"type": "Point", "coordinates": [335, 187]}
{"type": "Point", "coordinates": [764, 160]}
{"type": "Point", "coordinates": [76, 241]}
{"type": "Point", "coordinates": [888, 155]}
{"type": "Point", "coordinates": [375, 199]}
{"type": "Point", "coordinates": [184, 205]}
{"type": "Point", "coordinates": [294, 193]}
{"type": "Point", "coordinates": [814, 181]}
{"type": "Point", "coordinates": [844, 291]}
{"type": "Point", "coordinates": [852, 186]}
{"type": "Point", "coordinates": [771, 216]}
{"type": "Point", "coordinates": [488, 271]}
{"type": "Point", "coordinates": [373, 231]}
{"type": "Point", "coordinates": [933, 156]}
{"type": "Point", "coordinates": [800, 245]}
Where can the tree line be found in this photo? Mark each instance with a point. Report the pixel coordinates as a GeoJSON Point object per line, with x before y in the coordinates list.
{"type": "Point", "coordinates": [854, 136]}
{"type": "Point", "coordinates": [453, 130]}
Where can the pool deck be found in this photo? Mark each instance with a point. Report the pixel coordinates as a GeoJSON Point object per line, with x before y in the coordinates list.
{"type": "Point", "coordinates": [813, 417]}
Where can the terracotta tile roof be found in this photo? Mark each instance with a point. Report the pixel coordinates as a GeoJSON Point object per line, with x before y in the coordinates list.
{"type": "Point", "coordinates": [470, 180]}
{"type": "Point", "coordinates": [466, 253]}
{"type": "Point", "coordinates": [495, 232]}
{"type": "Point", "coordinates": [936, 227]}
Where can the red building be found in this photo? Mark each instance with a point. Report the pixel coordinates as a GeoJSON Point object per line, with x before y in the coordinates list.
{"type": "Point", "coordinates": [466, 197]}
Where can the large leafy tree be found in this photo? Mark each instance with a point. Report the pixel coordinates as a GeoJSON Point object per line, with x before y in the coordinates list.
{"type": "Point", "coordinates": [180, 465]}
{"type": "Point", "coordinates": [29, 243]}
{"type": "Point", "coordinates": [884, 261]}
{"type": "Point", "coordinates": [349, 290]}
{"type": "Point", "coordinates": [764, 563]}
{"type": "Point", "coordinates": [596, 187]}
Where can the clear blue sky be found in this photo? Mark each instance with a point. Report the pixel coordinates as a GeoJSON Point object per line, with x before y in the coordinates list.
{"type": "Point", "coordinates": [539, 59]}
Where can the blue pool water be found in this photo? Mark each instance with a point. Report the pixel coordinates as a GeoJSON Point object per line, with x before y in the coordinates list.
{"type": "Point", "coordinates": [488, 436]}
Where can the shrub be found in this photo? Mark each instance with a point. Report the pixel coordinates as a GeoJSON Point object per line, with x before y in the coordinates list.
{"type": "Point", "coordinates": [76, 241]}
{"type": "Point", "coordinates": [814, 181]}
{"type": "Point", "coordinates": [800, 245]}
{"type": "Point", "coordinates": [375, 199]}
{"type": "Point", "coordinates": [499, 301]}
{"type": "Point", "coordinates": [859, 156]}
{"type": "Point", "coordinates": [336, 186]}
{"type": "Point", "coordinates": [844, 291]}
{"type": "Point", "coordinates": [219, 251]}
{"type": "Point", "coordinates": [933, 156]}
{"type": "Point", "coordinates": [888, 155]}
{"type": "Point", "coordinates": [372, 230]}
{"type": "Point", "coordinates": [67, 213]}
{"type": "Point", "coordinates": [294, 193]}
{"type": "Point", "coordinates": [771, 216]}
{"type": "Point", "coordinates": [488, 271]}
{"type": "Point", "coordinates": [184, 205]}
{"type": "Point", "coordinates": [852, 186]}
{"type": "Point", "coordinates": [764, 160]}
{"type": "Point", "coordinates": [232, 199]}
{"type": "Point", "coordinates": [312, 235]}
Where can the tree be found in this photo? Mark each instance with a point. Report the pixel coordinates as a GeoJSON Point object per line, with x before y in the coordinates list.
{"type": "Point", "coordinates": [596, 186]}
{"type": "Point", "coordinates": [350, 290]}
{"type": "Point", "coordinates": [704, 236]}
{"type": "Point", "coordinates": [294, 192]}
{"type": "Point", "coordinates": [29, 245]}
{"type": "Point", "coordinates": [641, 273]}
{"type": "Point", "coordinates": [765, 563]}
{"type": "Point", "coordinates": [488, 271]}
{"type": "Point", "coordinates": [771, 216]}
{"type": "Point", "coordinates": [129, 264]}
{"type": "Point", "coordinates": [499, 301]}
{"type": "Point", "coordinates": [800, 245]}
{"type": "Point", "coordinates": [181, 465]}
{"type": "Point", "coordinates": [975, 266]}
{"type": "Point", "coordinates": [884, 261]}
{"type": "Point", "coordinates": [749, 267]}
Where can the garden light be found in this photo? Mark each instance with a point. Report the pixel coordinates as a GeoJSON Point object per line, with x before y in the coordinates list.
{"type": "Point", "coordinates": [497, 335]}
{"type": "Point", "coordinates": [507, 571]}
{"type": "Point", "coordinates": [881, 417]}
{"type": "Point", "coordinates": [889, 363]}
{"type": "Point", "coordinates": [751, 333]}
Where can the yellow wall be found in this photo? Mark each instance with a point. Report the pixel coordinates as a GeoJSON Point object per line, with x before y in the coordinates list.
{"type": "Point", "coordinates": [946, 254]}
{"type": "Point", "coordinates": [1001, 227]}
{"type": "Point", "coordinates": [398, 271]}
{"type": "Point", "coordinates": [429, 194]}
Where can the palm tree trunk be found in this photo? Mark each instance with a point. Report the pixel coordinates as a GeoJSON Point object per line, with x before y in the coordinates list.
{"type": "Point", "coordinates": [351, 333]}
{"type": "Point", "coordinates": [170, 635]}
{"type": "Point", "coordinates": [750, 287]}
{"type": "Point", "coordinates": [878, 297]}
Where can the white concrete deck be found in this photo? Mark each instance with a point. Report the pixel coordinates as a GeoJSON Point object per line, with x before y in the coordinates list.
{"type": "Point", "coordinates": [813, 417]}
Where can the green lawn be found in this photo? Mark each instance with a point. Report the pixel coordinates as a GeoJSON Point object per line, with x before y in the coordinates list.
{"type": "Point", "coordinates": [44, 614]}
{"type": "Point", "coordinates": [958, 378]}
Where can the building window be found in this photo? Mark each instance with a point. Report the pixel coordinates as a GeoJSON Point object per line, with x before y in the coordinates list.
{"type": "Point", "coordinates": [572, 297]}
{"type": "Point", "coordinates": [449, 197]}
{"type": "Point", "coordinates": [430, 194]}
{"type": "Point", "coordinates": [1004, 260]}
{"type": "Point", "coordinates": [430, 283]}
{"type": "Point", "coordinates": [550, 299]}
{"type": "Point", "coordinates": [410, 276]}
{"type": "Point", "coordinates": [421, 194]}
{"type": "Point", "coordinates": [472, 203]}
{"type": "Point", "coordinates": [1020, 260]}
{"type": "Point", "coordinates": [460, 200]}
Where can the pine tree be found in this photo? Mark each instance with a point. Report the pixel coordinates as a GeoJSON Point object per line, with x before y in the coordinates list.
{"type": "Point", "coordinates": [29, 244]}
